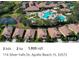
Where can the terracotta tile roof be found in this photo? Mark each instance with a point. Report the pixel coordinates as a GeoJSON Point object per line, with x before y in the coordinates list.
{"type": "Point", "coordinates": [30, 33]}
{"type": "Point", "coordinates": [18, 32]}
{"type": "Point", "coordinates": [7, 32]}
{"type": "Point", "coordinates": [53, 32]}
{"type": "Point", "coordinates": [43, 4]}
{"type": "Point", "coordinates": [64, 30]}
{"type": "Point", "coordinates": [36, 6]}
{"type": "Point", "coordinates": [41, 33]}
{"type": "Point", "coordinates": [78, 25]}
{"type": "Point", "coordinates": [32, 8]}
{"type": "Point", "coordinates": [64, 5]}
{"type": "Point", "coordinates": [74, 27]}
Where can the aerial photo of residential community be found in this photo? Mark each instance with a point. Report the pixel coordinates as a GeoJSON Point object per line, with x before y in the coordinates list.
{"type": "Point", "coordinates": [39, 21]}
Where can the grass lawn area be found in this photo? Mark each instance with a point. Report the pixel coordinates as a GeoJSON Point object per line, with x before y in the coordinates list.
{"type": "Point", "coordinates": [10, 15]}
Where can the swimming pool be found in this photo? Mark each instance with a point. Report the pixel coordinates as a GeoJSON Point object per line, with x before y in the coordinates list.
{"type": "Point", "coordinates": [47, 14]}
{"type": "Point", "coordinates": [61, 18]}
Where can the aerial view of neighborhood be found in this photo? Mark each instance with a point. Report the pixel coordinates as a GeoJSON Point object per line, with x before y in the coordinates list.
{"type": "Point", "coordinates": [39, 21]}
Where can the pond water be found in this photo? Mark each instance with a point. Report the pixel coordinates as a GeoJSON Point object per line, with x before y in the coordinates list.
{"type": "Point", "coordinates": [4, 21]}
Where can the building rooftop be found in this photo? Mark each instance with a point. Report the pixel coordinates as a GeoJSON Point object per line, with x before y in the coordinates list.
{"type": "Point", "coordinates": [18, 32]}
{"type": "Point", "coordinates": [46, 5]}
{"type": "Point", "coordinates": [74, 27]}
{"type": "Point", "coordinates": [53, 32]}
{"type": "Point", "coordinates": [7, 32]}
{"type": "Point", "coordinates": [64, 30]}
{"type": "Point", "coordinates": [30, 33]}
{"type": "Point", "coordinates": [32, 8]}
{"type": "Point", "coordinates": [41, 33]}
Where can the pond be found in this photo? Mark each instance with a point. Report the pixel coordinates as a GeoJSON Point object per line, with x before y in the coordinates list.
{"type": "Point", "coordinates": [8, 21]}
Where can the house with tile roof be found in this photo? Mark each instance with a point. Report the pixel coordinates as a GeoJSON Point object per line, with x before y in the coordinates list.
{"type": "Point", "coordinates": [29, 34]}
{"type": "Point", "coordinates": [74, 28]}
{"type": "Point", "coordinates": [34, 6]}
{"type": "Point", "coordinates": [7, 32]}
{"type": "Point", "coordinates": [41, 33]}
{"type": "Point", "coordinates": [18, 32]}
{"type": "Point", "coordinates": [30, 6]}
{"type": "Point", "coordinates": [64, 31]}
{"type": "Point", "coordinates": [54, 33]}
{"type": "Point", "coordinates": [46, 4]}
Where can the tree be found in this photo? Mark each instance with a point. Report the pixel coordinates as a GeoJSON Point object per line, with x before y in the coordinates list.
{"type": "Point", "coordinates": [6, 7]}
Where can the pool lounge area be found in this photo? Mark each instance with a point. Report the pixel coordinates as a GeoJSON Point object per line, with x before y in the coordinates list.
{"type": "Point", "coordinates": [46, 14]}
{"type": "Point", "coordinates": [53, 14]}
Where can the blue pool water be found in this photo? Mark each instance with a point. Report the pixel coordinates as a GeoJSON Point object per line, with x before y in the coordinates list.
{"type": "Point", "coordinates": [47, 14]}
{"type": "Point", "coordinates": [61, 18]}
{"type": "Point", "coordinates": [7, 21]}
